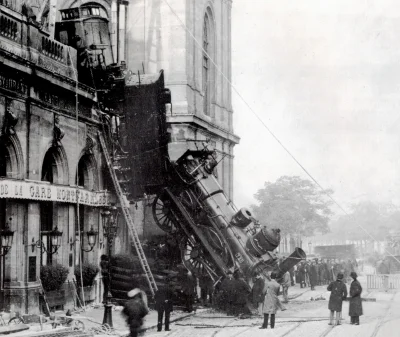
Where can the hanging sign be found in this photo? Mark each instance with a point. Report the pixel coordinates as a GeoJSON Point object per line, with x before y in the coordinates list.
{"type": "Point", "coordinates": [20, 189]}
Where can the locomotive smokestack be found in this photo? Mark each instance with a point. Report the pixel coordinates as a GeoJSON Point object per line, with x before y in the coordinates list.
{"type": "Point", "coordinates": [291, 261]}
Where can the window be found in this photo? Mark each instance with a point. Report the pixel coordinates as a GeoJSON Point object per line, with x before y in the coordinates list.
{"type": "Point", "coordinates": [206, 65]}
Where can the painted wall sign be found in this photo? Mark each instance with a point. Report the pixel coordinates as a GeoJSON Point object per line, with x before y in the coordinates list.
{"type": "Point", "coordinates": [20, 189]}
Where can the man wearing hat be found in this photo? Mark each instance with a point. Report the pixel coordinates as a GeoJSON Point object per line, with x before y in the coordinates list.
{"type": "Point", "coordinates": [338, 294]}
{"type": "Point", "coordinates": [135, 309]}
{"type": "Point", "coordinates": [355, 307]}
{"type": "Point", "coordinates": [163, 299]}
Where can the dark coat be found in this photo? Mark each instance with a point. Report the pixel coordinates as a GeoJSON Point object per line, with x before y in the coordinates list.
{"type": "Point", "coordinates": [163, 298]}
{"type": "Point", "coordinates": [257, 295]}
{"type": "Point", "coordinates": [135, 309]}
{"type": "Point", "coordinates": [302, 274]}
{"type": "Point", "coordinates": [313, 274]}
{"type": "Point", "coordinates": [188, 284]}
{"type": "Point", "coordinates": [355, 307]}
{"type": "Point", "coordinates": [338, 294]}
{"type": "Point", "coordinates": [241, 290]}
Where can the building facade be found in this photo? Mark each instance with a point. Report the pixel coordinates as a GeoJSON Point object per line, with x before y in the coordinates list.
{"type": "Point", "coordinates": [50, 162]}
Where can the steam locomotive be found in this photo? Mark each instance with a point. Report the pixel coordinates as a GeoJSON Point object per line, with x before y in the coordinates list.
{"type": "Point", "coordinates": [215, 237]}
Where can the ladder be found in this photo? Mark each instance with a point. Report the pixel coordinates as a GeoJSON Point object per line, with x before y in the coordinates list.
{"type": "Point", "coordinates": [128, 218]}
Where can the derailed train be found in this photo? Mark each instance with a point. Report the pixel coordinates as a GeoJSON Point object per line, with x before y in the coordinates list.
{"type": "Point", "coordinates": [215, 237]}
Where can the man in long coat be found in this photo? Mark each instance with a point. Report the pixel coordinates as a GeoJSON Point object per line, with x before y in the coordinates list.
{"type": "Point", "coordinates": [302, 275]}
{"type": "Point", "coordinates": [163, 299]}
{"type": "Point", "coordinates": [355, 307]}
{"type": "Point", "coordinates": [257, 295]}
{"type": "Point", "coordinates": [338, 294]}
{"type": "Point", "coordinates": [313, 274]}
{"type": "Point", "coordinates": [228, 293]}
{"type": "Point", "coordinates": [242, 291]}
{"type": "Point", "coordinates": [271, 301]}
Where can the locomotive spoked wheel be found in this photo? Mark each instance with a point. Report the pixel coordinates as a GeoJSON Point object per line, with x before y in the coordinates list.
{"type": "Point", "coordinates": [162, 213]}
{"type": "Point", "coordinates": [187, 200]}
{"type": "Point", "coordinates": [194, 259]}
{"type": "Point", "coordinates": [218, 245]}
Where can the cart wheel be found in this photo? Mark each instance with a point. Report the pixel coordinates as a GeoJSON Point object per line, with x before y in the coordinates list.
{"type": "Point", "coordinates": [16, 320]}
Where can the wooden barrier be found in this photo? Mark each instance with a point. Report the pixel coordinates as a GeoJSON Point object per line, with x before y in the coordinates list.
{"type": "Point", "coordinates": [383, 281]}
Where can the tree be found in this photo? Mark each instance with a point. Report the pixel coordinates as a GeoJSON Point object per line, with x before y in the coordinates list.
{"type": "Point", "coordinates": [295, 205]}
{"type": "Point", "coordinates": [367, 221]}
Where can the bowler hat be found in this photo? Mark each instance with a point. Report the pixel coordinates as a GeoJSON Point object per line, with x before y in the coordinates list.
{"type": "Point", "coordinates": [353, 274]}
{"type": "Point", "coordinates": [339, 276]}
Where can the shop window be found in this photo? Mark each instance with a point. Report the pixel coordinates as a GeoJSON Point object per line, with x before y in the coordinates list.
{"type": "Point", "coordinates": [4, 160]}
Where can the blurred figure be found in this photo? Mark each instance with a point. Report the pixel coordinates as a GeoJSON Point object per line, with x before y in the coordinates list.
{"type": "Point", "coordinates": [355, 307]}
{"type": "Point", "coordinates": [135, 309]}
{"type": "Point", "coordinates": [206, 289]}
{"type": "Point", "coordinates": [338, 294]}
{"type": "Point", "coordinates": [188, 283]}
{"type": "Point", "coordinates": [313, 275]}
{"type": "Point", "coordinates": [257, 294]}
{"type": "Point", "coordinates": [242, 291]}
{"type": "Point", "coordinates": [285, 283]}
{"type": "Point", "coordinates": [163, 299]}
{"type": "Point", "coordinates": [228, 293]}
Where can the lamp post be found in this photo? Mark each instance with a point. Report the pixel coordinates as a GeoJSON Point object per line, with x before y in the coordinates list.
{"type": "Point", "coordinates": [6, 240]}
{"type": "Point", "coordinates": [110, 226]}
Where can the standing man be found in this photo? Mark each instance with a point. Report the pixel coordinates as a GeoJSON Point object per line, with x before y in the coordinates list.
{"type": "Point", "coordinates": [338, 294]}
{"type": "Point", "coordinates": [271, 301]}
{"type": "Point", "coordinates": [355, 307]}
{"type": "Point", "coordinates": [285, 283]}
{"type": "Point", "coordinates": [188, 290]}
{"type": "Point", "coordinates": [257, 295]}
{"type": "Point", "coordinates": [242, 291]}
{"type": "Point", "coordinates": [228, 293]}
{"type": "Point", "coordinates": [313, 275]}
{"type": "Point", "coordinates": [206, 288]}
{"type": "Point", "coordinates": [163, 299]}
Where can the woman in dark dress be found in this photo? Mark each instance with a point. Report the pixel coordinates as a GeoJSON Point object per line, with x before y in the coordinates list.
{"type": "Point", "coordinates": [355, 307]}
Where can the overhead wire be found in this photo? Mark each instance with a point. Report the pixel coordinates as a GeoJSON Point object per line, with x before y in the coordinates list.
{"type": "Point", "coordinates": [266, 126]}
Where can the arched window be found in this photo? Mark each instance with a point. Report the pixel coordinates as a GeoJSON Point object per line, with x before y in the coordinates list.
{"type": "Point", "coordinates": [207, 66]}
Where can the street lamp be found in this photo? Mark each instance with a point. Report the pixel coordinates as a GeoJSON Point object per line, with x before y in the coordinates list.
{"type": "Point", "coordinates": [110, 226]}
{"type": "Point", "coordinates": [6, 239]}
{"type": "Point", "coordinates": [55, 239]}
{"type": "Point", "coordinates": [91, 237]}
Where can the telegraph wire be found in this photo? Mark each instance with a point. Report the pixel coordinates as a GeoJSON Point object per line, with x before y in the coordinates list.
{"type": "Point", "coordinates": [265, 125]}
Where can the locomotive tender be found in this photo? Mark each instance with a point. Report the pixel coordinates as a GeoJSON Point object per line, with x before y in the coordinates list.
{"type": "Point", "coordinates": [215, 237]}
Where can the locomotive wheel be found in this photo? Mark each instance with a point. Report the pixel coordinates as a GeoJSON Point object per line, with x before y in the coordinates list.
{"type": "Point", "coordinates": [163, 215]}
{"type": "Point", "coordinates": [194, 259]}
{"type": "Point", "coordinates": [218, 245]}
{"type": "Point", "coordinates": [187, 200]}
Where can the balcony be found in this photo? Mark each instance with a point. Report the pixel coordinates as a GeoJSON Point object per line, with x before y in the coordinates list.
{"type": "Point", "coordinates": [30, 47]}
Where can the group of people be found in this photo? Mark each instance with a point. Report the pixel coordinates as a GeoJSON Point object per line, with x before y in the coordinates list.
{"type": "Point", "coordinates": [236, 296]}
{"type": "Point", "coordinates": [320, 272]}
{"type": "Point", "coordinates": [339, 293]}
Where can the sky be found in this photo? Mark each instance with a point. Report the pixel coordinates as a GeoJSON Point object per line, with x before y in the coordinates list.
{"type": "Point", "coordinates": [325, 77]}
